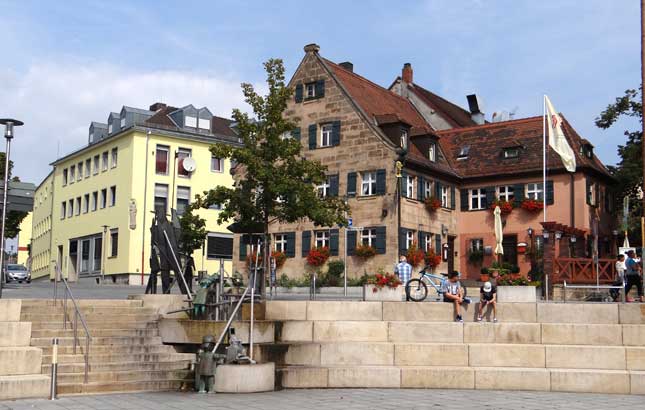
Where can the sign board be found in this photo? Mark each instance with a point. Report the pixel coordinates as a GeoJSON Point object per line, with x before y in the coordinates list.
{"type": "Point", "coordinates": [20, 196]}
{"type": "Point", "coordinates": [350, 222]}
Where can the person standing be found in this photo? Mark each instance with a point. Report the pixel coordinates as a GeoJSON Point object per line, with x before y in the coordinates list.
{"type": "Point", "coordinates": [404, 271]}
{"type": "Point", "coordinates": [620, 267]}
{"type": "Point", "coordinates": [633, 276]}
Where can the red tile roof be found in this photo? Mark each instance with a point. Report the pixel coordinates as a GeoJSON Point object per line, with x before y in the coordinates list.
{"type": "Point", "coordinates": [454, 114]}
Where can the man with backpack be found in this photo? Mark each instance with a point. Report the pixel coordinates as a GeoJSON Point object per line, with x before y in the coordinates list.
{"type": "Point", "coordinates": [633, 275]}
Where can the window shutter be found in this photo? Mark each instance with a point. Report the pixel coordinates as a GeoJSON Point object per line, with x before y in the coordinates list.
{"type": "Point", "coordinates": [402, 183]}
{"type": "Point", "coordinates": [380, 182]}
{"type": "Point", "coordinates": [379, 244]}
{"type": "Point", "coordinates": [290, 250]}
{"type": "Point", "coordinates": [295, 134]}
{"type": "Point", "coordinates": [243, 240]}
{"type": "Point", "coordinates": [463, 199]}
{"type": "Point", "coordinates": [306, 243]}
{"type": "Point", "coordinates": [402, 241]}
{"type": "Point", "coordinates": [320, 88]}
{"type": "Point", "coordinates": [453, 199]}
{"type": "Point", "coordinates": [607, 200]}
{"type": "Point", "coordinates": [588, 195]}
{"type": "Point", "coordinates": [518, 193]}
{"type": "Point", "coordinates": [312, 136]}
{"type": "Point", "coordinates": [437, 244]}
{"type": "Point", "coordinates": [333, 185]}
{"type": "Point", "coordinates": [351, 242]}
{"type": "Point", "coordinates": [421, 188]}
{"type": "Point", "coordinates": [351, 184]}
{"type": "Point", "coordinates": [437, 190]}
{"type": "Point", "coordinates": [299, 93]}
{"type": "Point", "coordinates": [597, 195]}
{"type": "Point", "coordinates": [421, 240]}
{"type": "Point", "coordinates": [333, 242]}
{"type": "Point", "coordinates": [490, 196]}
{"type": "Point", "coordinates": [335, 133]}
{"type": "Point", "coordinates": [549, 192]}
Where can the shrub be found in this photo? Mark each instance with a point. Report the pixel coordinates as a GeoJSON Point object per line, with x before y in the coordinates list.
{"type": "Point", "coordinates": [432, 203]}
{"type": "Point", "coordinates": [475, 256]}
{"type": "Point", "coordinates": [532, 205]}
{"type": "Point", "coordinates": [335, 271]}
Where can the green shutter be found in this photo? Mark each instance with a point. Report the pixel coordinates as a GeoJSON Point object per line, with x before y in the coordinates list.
{"type": "Point", "coordinates": [437, 190]}
{"type": "Point", "coordinates": [588, 194]}
{"type": "Point", "coordinates": [335, 133]}
{"type": "Point", "coordinates": [351, 184]}
{"type": "Point", "coordinates": [437, 244]}
{"type": "Point", "coordinates": [299, 93]}
{"type": "Point", "coordinates": [380, 240]}
{"type": "Point", "coordinates": [242, 247]}
{"type": "Point", "coordinates": [453, 199]}
{"type": "Point", "coordinates": [518, 193]}
{"type": "Point", "coordinates": [380, 182]}
{"type": "Point", "coordinates": [402, 241]}
{"type": "Point", "coordinates": [490, 196]}
{"type": "Point", "coordinates": [351, 242]}
{"type": "Point", "coordinates": [463, 199]}
{"type": "Point", "coordinates": [290, 250]}
{"type": "Point", "coordinates": [421, 240]}
{"type": "Point", "coordinates": [402, 183]}
{"type": "Point", "coordinates": [295, 134]}
{"type": "Point", "coordinates": [306, 243]}
{"type": "Point", "coordinates": [333, 185]}
{"type": "Point", "coordinates": [312, 136]}
{"type": "Point", "coordinates": [597, 195]}
{"type": "Point", "coordinates": [320, 88]}
{"type": "Point", "coordinates": [420, 188]}
{"type": "Point", "coordinates": [333, 242]}
{"type": "Point", "coordinates": [549, 192]}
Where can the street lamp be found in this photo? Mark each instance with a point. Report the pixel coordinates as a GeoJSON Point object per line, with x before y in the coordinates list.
{"type": "Point", "coordinates": [103, 249]}
{"type": "Point", "coordinates": [8, 135]}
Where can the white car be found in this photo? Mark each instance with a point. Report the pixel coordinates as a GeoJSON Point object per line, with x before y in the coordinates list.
{"type": "Point", "coordinates": [17, 273]}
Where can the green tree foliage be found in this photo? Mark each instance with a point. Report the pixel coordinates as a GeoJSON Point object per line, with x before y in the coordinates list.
{"type": "Point", "coordinates": [14, 218]}
{"type": "Point", "coordinates": [193, 230]}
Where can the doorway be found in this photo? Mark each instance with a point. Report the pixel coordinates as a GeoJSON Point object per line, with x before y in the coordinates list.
{"type": "Point", "coordinates": [451, 253]}
{"type": "Point", "coordinates": [509, 243]}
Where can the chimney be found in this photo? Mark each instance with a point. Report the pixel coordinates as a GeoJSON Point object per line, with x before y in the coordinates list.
{"type": "Point", "coordinates": [347, 66]}
{"type": "Point", "coordinates": [476, 109]}
{"type": "Point", "coordinates": [312, 48]}
{"type": "Point", "coordinates": [406, 73]}
{"type": "Point", "coordinates": [157, 106]}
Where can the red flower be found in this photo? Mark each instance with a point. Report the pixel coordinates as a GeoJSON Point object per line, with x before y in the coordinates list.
{"type": "Point", "coordinates": [415, 255]}
{"type": "Point", "coordinates": [532, 205]}
{"type": "Point", "coordinates": [433, 260]}
{"type": "Point", "coordinates": [432, 203]}
{"type": "Point", "coordinates": [318, 256]}
{"type": "Point", "coordinates": [506, 207]}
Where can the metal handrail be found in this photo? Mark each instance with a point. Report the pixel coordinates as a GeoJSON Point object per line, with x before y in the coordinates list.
{"type": "Point", "coordinates": [230, 319]}
{"type": "Point", "coordinates": [565, 286]}
{"type": "Point", "coordinates": [77, 315]}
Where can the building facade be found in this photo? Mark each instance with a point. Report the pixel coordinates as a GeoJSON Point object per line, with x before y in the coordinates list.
{"type": "Point", "coordinates": [103, 195]}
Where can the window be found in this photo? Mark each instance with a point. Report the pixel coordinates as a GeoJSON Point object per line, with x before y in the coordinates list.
{"type": "Point", "coordinates": [122, 122]}
{"type": "Point", "coordinates": [325, 135]}
{"type": "Point", "coordinates": [110, 128]}
{"type": "Point", "coordinates": [70, 208]}
{"type": "Point", "coordinates": [80, 171]}
{"type": "Point", "coordinates": [95, 200]}
{"type": "Point", "coordinates": [323, 189]}
{"type": "Point", "coordinates": [368, 183]}
{"type": "Point", "coordinates": [86, 203]}
{"type": "Point", "coordinates": [63, 209]}
{"type": "Point", "coordinates": [476, 245]}
{"type": "Point", "coordinates": [161, 197]}
{"type": "Point", "coordinates": [322, 239]}
{"type": "Point", "coordinates": [368, 237]}
{"type": "Point", "coordinates": [477, 199]}
{"type": "Point", "coordinates": [78, 205]}
{"type": "Point", "coordinates": [506, 193]}
{"type": "Point", "coordinates": [444, 197]}
{"type": "Point", "coordinates": [215, 207]}
{"type": "Point", "coordinates": [190, 122]}
{"type": "Point", "coordinates": [65, 177]}
{"type": "Point", "coordinates": [427, 242]}
{"type": "Point", "coordinates": [591, 193]}
{"type": "Point", "coordinates": [432, 152]}
{"type": "Point", "coordinates": [72, 174]}
{"type": "Point", "coordinates": [409, 239]}
{"type": "Point", "coordinates": [103, 198]}
{"type": "Point", "coordinates": [463, 152]}
{"type": "Point", "coordinates": [114, 242]}
{"type": "Point", "coordinates": [183, 199]}
{"type": "Point", "coordinates": [96, 164]}
{"type": "Point", "coordinates": [409, 186]}
{"type": "Point", "coordinates": [105, 161]}
{"type": "Point", "coordinates": [182, 153]}
{"type": "Point", "coordinates": [311, 90]}
{"type": "Point", "coordinates": [98, 247]}
{"type": "Point", "coordinates": [115, 156]}
{"type": "Point", "coordinates": [404, 139]}
{"type": "Point", "coordinates": [217, 164]}
{"type": "Point", "coordinates": [204, 124]}
{"type": "Point", "coordinates": [161, 159]}
{"type": "Point", "coordinates": [112, 195]}
{"type": "Point", "coordinates": [88, 167]}
{"type": "Point", "coordinates": [534, 191]}
{"type": "Point", "coordinates": [280, 243]}
{"type": "Point", "coordinates": [428, 190]}
{"type": "Point", "coordinates": [511, 152]}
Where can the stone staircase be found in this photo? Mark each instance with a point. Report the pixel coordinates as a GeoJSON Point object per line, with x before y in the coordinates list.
{"type": "Point", "coordinates": [126, 351]}
{"type": "Point", "coordinates": [576, 347]}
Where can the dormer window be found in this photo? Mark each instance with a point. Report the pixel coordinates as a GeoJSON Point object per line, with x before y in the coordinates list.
{"type": "Point", "coordinates": [122, 122]}
{"type": "Point", "coordinates": [311, 90]}
{"type": "Point", "coordinates": [512, 152]}
{"type": "Point", "coordinates": [204, 124]}
{"type": "Point", "coordinates": [432, 152]}
{"type": "Point", "coordinates": [463, 152]}
{"type": "Point", "coordinates": [587, 150]}
{"type": "Point", "coordinates": [110, 128]}
{"type": "Point", "coordinates": [404, 139]}
{"type": "Point", "coordinates": [190, 122]}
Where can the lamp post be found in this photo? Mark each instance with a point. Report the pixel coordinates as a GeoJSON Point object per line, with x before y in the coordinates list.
{"type": "Point", "coordinates": [8, 135]}
{"type": "Point", "coordinates": [103, 249]}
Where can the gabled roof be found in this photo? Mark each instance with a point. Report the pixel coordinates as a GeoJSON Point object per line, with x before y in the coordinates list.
{"type": "Point", "coordinates": [454, 114]}
{"type": "Point", "coordinates": [488, 141]}
{"type": "Point", "coordinates": [219, 125]}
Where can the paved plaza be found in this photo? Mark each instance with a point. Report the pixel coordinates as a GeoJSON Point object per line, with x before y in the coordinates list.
{"type": "Point", "coordinates": [337, 399]}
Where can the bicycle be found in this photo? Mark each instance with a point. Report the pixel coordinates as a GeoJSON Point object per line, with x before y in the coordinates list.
{"type": "Point", "coordinates": [417, 288]}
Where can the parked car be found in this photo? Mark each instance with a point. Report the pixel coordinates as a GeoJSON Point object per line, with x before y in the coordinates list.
{"type": "Point", "coordinates": [17, 273]}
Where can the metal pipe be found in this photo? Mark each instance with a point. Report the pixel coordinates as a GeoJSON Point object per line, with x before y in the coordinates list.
{"type": "Point", "coordinates": [75, 330]}
{"type": "Point", "coordinates": [255, 279]}
{"type": "Point", "coordinates": [230, 319]}
{"type": "Point", "coordinates": [564, 292]}
{"type": "Point", "coordinates": [181, 273]}
{"type": "Point", "coordinates": [4, 212]}
{"type": "Point", "coordinates": [546, 287]}
{"type": "Point", "coordinates": [623, 292]}
{"type": "Point", "coordinates": [54, 370]}
{"type": "Point", "coordinates": [87, 357]}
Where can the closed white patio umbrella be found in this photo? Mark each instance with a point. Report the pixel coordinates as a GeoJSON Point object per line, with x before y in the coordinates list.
{"type": "Point", "coordinates": [499, 235]}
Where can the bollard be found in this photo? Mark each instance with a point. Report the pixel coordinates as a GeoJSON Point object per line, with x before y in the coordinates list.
{"type": "Point", "coordinates": [54, 371]}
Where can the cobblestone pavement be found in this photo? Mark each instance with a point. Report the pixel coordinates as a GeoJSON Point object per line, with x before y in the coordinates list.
{"type": "Point", "coordinates": [338, 400]}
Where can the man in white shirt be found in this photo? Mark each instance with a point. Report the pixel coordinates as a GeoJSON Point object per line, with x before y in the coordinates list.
{"type": "Point", "coordinates": [620, 267]}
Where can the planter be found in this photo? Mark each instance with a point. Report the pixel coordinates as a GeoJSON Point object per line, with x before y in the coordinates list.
{"type": "Point", "coordinates": [383, 294]}
{"type": "Point", "coordinates": [517, 294]}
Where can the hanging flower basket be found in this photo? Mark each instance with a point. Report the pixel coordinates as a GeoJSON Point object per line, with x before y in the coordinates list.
{"type": "Point", "coordinates": [433, 260]}
{"type": "Point", "coordinates": [250, 259]}
{"type": "Point", "coordinates": [318, 256]}
{"type": "Point", "coordinates": [415, 255]}
{"type": "Point", "coordinates": [532, 205]}
{"type": "Point", "coordinates": [364, 251]}
{"type": "Point", "coordinates": [506, 207]}
{"type": "Point", "coordinates": [432, 204]}
{"type": "Point", "coordinates": [280, 258]}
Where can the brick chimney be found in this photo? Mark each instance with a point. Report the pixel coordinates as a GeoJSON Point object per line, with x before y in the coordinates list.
{"type": "Point", "coordinates": [406, 73]}
{"type": "Point", "coordinates": [157, 106]}
{"type": "Point", "coordinates": [312, 48]}
{"type": "Point", "coordinates": [347, 66]}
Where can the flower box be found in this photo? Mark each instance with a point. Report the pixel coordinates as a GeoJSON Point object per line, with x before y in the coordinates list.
{"type": "Point", "coordinates": [505, 207]}
{"type": "Point", "coordinates": [385, 294]}
{"type": "Point", "coordinates": [432, 204]}
{"type": "Point", "coordinates": [526, 294]}
{"type": "Point", "coordinates": [532, 205]}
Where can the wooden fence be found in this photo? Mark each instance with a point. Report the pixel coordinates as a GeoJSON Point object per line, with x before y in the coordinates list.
{"type": "Point", "coordinates": [582, 270]}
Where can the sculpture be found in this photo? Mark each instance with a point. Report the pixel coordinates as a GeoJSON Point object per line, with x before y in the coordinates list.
{"type": "Point", "coordinates": [205, 365]}
{"type": "Point", "coordinates": [164, 252]}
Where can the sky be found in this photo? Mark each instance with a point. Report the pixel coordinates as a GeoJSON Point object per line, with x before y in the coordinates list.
{"type": "Point", "coordinates": [67, 63]}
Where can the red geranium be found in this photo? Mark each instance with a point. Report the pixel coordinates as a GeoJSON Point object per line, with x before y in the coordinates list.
{"type": "Point", "coordinates": [364, 251]}
{"type": "Point", "coordinates": [432, 203]}
{"type": "Point", "coordinates": [280, 258]}
{"type": "Point", "coordinates": [381, 280]}
{"type": "Point", "coordinates": [318, 256]}
{"type": "Point", "coordinates": [433, 260]}
{"type": "Point", "coordinates": [532, 205]}
{"type": "Point", "coordinates": [415, 255]}
{"type": "Point", "coordinates": [506, 207]}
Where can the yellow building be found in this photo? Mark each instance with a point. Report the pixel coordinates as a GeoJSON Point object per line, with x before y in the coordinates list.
{"type": "Point", "coordinates": [103, 195]}
{"type": "Point", "coordinates": [24, 240]}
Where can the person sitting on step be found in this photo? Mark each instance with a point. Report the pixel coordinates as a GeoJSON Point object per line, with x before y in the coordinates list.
{"type": "Point", "coordinates": [487, 296]}
{"type": "Point", "coordinates": [453, 293]}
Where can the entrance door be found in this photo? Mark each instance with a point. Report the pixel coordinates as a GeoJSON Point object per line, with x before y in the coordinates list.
{"type": "Point", "coordinates": [509, 243]}
{"type": "Point", "coordinates": [451, 254]}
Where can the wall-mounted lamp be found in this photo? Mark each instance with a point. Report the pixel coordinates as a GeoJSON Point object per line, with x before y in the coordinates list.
{"type": "Point", "coordinates": [558, 235]}
{"type": "Point", "coordinates": [444, 230]}
{"type": "Point", "coordinates": [614, 232]}
{"type": "Point", "coordinates": [573, 239]}
{"type": "Point", "coordinates": [545, 234]}
{"type": "Point", "coordinates": [529, 231]}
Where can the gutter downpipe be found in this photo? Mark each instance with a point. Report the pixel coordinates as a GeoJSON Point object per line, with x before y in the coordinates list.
{"type": "Point", "coordinates": [143, 214]}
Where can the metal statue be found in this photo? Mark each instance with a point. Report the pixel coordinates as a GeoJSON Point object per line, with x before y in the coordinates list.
{"type": "Point", "coordinates": [164, 253]}
{"type": "Point", "coordinates": [205, 365]}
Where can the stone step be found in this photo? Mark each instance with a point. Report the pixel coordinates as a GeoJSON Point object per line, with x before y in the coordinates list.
{"type": "Point", "coordinates": [95, 333]}
{"type": "Point", "coordinates": [459, 377]}
{"type": "Point", "coordinates": [91, 317]}
{"type": "Point", "coordinates": [116, 358]}
{"type": "Point", "coordinates": [99, 341]}
{"type": "Point", "coordinates": [15, 333]}
{"type": "Point", "coordinates": [126, 386]}
{"type": "Point", "coordinates": [119, 366]}
{"type": "Point", "coordinates": [10, 310]}
{"type": "Point", "coordinates": [20, 360]}
{"type": "Point", "coordinates": [24, 387]}
{"type": "Point", "coordinates": [125, 376]}
{"type": "Point", "coordinates": [87, 309]}
{"type": "Point", "coordinates": [96, 325]}
{"type": "Point", "coordinates": [84, 302]}
{"type": "Point", "coordinates": [112, 349]}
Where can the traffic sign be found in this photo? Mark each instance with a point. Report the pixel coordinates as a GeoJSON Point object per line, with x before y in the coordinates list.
{"type": "Point", "coordinates": [349, 222]}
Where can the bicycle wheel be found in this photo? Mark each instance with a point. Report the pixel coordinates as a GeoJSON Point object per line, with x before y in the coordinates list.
{"type": "Point", "coordinates": [416, 289]}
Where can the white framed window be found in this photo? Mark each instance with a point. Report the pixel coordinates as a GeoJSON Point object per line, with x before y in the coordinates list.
{"type": "Point", "coordinates": [183, 199]}
{"type": "Point", "coordinates": [162, 155]}
{"type": "Point", "coordinates": [323, 189]}
{"type": "Point", "coordinates": [428, 189]}
{"type": "Point", "coordinates": [445, 200]}
{"type": "Point", "coordinates": [534, 191]}
{"type": "Point", "coordinates": [96, 164]}
{"type": "Point", "coordinates": [409, 239]}
{"type": "Point", "coordinates": [114, 242]}
{"type": "Point", "coordinates": [103, 198]}
{"type": "Point", "coordinates": [104, 159]}
{"type": "Point", "coordinates": [161, 197]}
{"type": "Point", "coordinates": [65, 177]}
{"type": "Point", "coordinates": [70, 208]}
{"type": "Point", "coordinates": [122, 122]}
{"type": "Point", "coordinates": [79, 167]}
{"type": "Point", "coordinates": [311, 90]}
{"type": "Point", "coordinates": [113, 195]}
{"type": "Point", "coordinates": [72, 174]}
{"type": "Point", "coordinates": [115, 157]}
{"type": "Point", "coordinates": [183, 153]}
{"type": "Point", "coordinates": [217, 164]}
{"type": "Point", "coordinates": [427, 242]}
{"type": "Point", "coordinates": [204, 124]}
{"type": "Point", "coordinates": [110, 128]}
{"type": "Point", "coordinates": [432, 152]}
{"type": "Point", "coordinates": [63, 210]}
{"type": "Point", "coordinates": [190, 122]}
{"type": "Point", "coordinates": [477, 198]}
{"type": "Point", "coordinates": [325, 135]}
{"type": "Point", "coordinates": [322, 239]}
{"type": "Point", "coordinates": [368, 237]}
{"type": "Point", "coordinates": [592, 194]}
{"type": "Point", "coordinates": [280, 243]}
{"type": "Point", "coordinates": [409, 186]}
{"type": "Point", "coordinates": [506, 193]}
{"type": "Point", "coordinates": [513, 152]}
{"type": "Point", "coordinates": [95, 200]}
{"type": "Point", "coordinates": [86, 203]}
{"type": "Point", "coordinates": [477, 244]}
{"type": "Point", "coordinates": [368, 183]}
{"type": "Point", "coordinates": [88, 167]}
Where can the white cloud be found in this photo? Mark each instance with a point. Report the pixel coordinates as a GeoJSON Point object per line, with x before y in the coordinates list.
{"type": "Point", "coordinates": [57, 102]}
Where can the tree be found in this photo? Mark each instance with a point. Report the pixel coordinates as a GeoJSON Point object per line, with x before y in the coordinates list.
{"type": "Point", "coordinates": [193, 231]}
{"type": "Point", "coordinates": [273, 182]}
{"type": "Point", "coordinates": [14, 218]}
{"type": "Point", "coordinates": [629, 170]}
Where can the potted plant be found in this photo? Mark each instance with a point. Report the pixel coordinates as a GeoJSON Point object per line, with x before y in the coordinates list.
{"type": "Point", "coordinates": [515, 290]}
{"type": "Point", "coordinates": [475, 256]}
{"type": "Point", "coordinates": [432, 203]}
{"type": "Point", "coordinates": [506, 207]}
{"type": "Point", "coordinates": [364, 251]}
{"type": "Point", "coordinates": [432, 259]}
{"type": "Point", "coordinates": [532, 205]}
{"type": "Point", "coordinates": [318, 256]}
{"type": "Point", "coordinates": [382, 287]}
{"type": "Point", "coordinates": [415, 255]}
{"type": "Point", "coordinates": [484, 276]}
{"type": "Point", "coordinates": [514, 272]}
